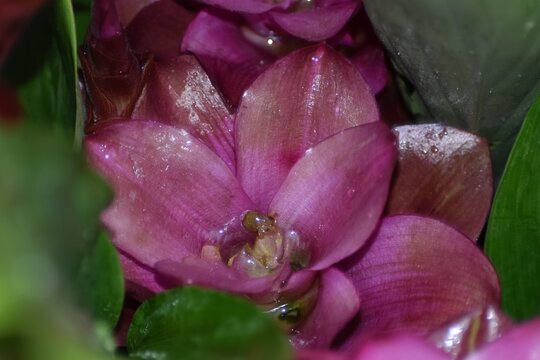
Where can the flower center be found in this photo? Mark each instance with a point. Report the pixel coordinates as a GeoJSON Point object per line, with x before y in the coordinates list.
{"type": "Point", "coordinates": [271, 248]}
{"type": "Point", "coordinates": [267, 251]}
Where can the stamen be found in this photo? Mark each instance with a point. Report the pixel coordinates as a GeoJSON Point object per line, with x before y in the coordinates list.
{"type": "Point", "coordinates": [258, 223]}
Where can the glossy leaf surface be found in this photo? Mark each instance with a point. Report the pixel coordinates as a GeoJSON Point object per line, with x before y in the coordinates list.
{"type": "Point", "coordinates": [191, 323]}
{"type": "Point", "coordinates": [474, 64]}
{"type": "Point", "coordinates": [513, 237]}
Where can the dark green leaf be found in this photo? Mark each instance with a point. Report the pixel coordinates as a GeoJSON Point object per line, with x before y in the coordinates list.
{"type": "Point", "coordinates": [82, 9]}
{"type": "Point", "coordinates": [473, 64]}
{"type": "Point", "coordinates": [513, 237]}
{"type": "Point", "coordinates": [100, 284]}
{"type": "Point", "coordinates": [192, 323]}
{"type": "Point", "coordinates": [42, 68]}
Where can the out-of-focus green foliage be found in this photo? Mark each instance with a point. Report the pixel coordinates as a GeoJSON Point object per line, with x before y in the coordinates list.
{"type": "Point", "coordinates": [50, 204]}
{"type": "Point", "coordinates": [42, 69]}
{"type": "Point", "coordinates": [100, 282]}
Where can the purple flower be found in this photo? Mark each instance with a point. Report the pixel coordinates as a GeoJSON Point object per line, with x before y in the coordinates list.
{"type": "Point", "coordinates": [258, 206]}
{"type": "Point", "coordinates": [281, 200]}
{"type": "Point", "coordinates": [235, 49]}
{"type": "Point", "coordinates": [517, 342]}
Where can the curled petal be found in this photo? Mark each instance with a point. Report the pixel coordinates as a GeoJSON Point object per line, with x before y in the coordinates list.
{"type": "Point", "coordinates": [216, 275]}
{"type": "Point", "coordinates": [370, 62]}
{"type": "Point", "coordinates": [469, 332]}
{"type": "Point", "coordinates": [398, 347]}
{"type": "Point", "coordinates": [320, 20]}
{"type": "Point", "coordinates": [179, 93]}
{"type": "Point", "coordinates": [128, 9]}
{"type": "Point", "coordinates": [519, 343]}
{"type": "Point", "coordinates": [443, 173]}
{"type": "Point", "coordinates": [248, 6]}
{"type": "Point", "coordinates": [337, 302]}
{"type": "Point", "coordinates": [172, 193]}
{"type": "Point", "coordinates": [141, 281]}
{"type": "Point", "coordinates": [226, 54]}
{"type": "Point", "coordinates": [418, 274]}
{"type": "Point", "coordinates": [334, 195]}
{"type": "Point", "coordinates": [158, 29]}
{"type": "Point", "coordinates": [297, 102]}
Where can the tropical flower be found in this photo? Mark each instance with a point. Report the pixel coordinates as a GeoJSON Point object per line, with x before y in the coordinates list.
{"type": "Point", "coordinates": [261, 207]}
{"type": "Point", "coordinates": [268, 201]}
{"type": "Point", "coordinates": [487, 336]}
{"type": "Point", "coordinates": [235, 49]}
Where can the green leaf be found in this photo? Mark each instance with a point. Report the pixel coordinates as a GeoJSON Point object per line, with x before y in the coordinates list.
{"type": "Point", "coordinates": [50, 212]}
{"type": "Point", "coordinates": [100, 283]}
{"type": "Point", "coordinates": [43, 68]}
{"type": "Point", "coordinates": [513, 236]}
{"type": "Point", "coordinates": [191, 323]}
{"type": "Point", "coordinates": [473, 64]}
{"type": "Point", "coordinates": [82, 9]}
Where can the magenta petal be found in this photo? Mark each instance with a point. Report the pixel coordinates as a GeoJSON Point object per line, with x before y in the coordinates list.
{"type": "Point", "coordinates": [416, 275]}
{"type": "Point", "coordinates": [314, 354]}
{"type": "Point", "coordinates": [443, 173]}
{"type": "Point", "coordinates": [370, 62]}
{"type": "Point", "coordinates": [398, 347]}
{"type": "Point", "coordinates": [522, 342]}
{"type": "Point", "coordinates": [216, 275]}
{"type": "Point", "coordinates": [248, 6]}
{"type": "Point", "coordinates": [158, 29]}
{"type": "Point", "coordinates": [105, 21]}
{"type": "Point", "coordinates": [323, 19]}
{"type": "Point", "coordinates": [337, 303]}
{"type": "Point", "coordinates": [141, 281]}
{"type": "Point", "coordinates": [127, 9]}
{"type": "Point", "coordinates": [172, 193]}
{"type": "Point", "coordinates": [299, 101]}
{"type": "Point", "coordinates": [471, 331]}
{"type": "Point", "coordinates": [231, 61]}
{"type": "Point", "coordinates": [334, 195]}
{"type": "Point", "coordinates": [179, 93]}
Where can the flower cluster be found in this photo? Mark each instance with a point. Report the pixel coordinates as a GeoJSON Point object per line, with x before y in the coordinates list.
{"type": "Point", "coordinates": [247, 159]}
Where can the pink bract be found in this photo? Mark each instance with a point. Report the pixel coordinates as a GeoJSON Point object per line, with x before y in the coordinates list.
{"type": "Point", "coordinates": [311, 160]}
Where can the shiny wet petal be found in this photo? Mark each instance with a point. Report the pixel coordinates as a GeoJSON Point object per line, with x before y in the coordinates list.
{"type": "Point", "coordinates": [172, 193]}
{"type": "Point", "coordinates": [337, 303]}
{"type": "Point", "coordinates": [417, 274]}
{"type": "Point", "coordinates": [318, 20]}
{"type": "Point", "coordinates": [443, 173]}
{"type": "Point", "coordinates": [334, 195]}
{"type": "Point", "coordinates": [299, 101]}
{"type": "Point", "coordinates": [179, 93]}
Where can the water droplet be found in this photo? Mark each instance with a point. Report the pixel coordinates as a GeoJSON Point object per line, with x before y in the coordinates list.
{"type": "Point", "coordinates": [434, 149]}
{"type": "Point", "coordinates": [443, 133]}
{"type": "Point", "coordinates": [315, 59]}
{"type": "Point", "coordinates": [351, 192]}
